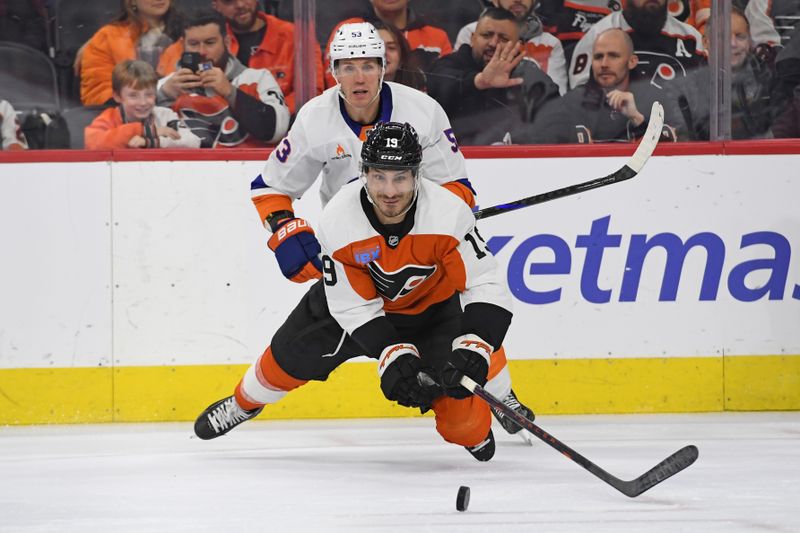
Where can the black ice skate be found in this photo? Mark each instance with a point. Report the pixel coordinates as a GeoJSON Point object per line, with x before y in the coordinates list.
{"type": "Point", "coordinates": [221, 417]}
{"type": "Point", "coordinates": [483, 451]}
{"type": "Point", "coordinates": [509, 425]}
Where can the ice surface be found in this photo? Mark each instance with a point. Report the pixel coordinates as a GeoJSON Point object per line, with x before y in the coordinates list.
{"type": "Point", "coordinates": [398, 475]}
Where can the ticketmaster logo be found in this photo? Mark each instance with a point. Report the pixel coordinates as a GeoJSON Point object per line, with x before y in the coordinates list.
{"type": "Point", "coordinates": [773, 249]}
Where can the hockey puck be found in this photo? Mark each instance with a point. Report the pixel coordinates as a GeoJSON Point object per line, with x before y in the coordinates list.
{"type": "Point", "coordinates": [462, 500]}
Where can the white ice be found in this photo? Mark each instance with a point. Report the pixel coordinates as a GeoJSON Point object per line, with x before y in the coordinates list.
{"type": "Point", "coordinates": [398, 476]}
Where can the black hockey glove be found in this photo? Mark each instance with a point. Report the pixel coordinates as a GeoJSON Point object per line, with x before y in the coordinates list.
{"type": "Point", "coordinates": [398, 367]}
{"type": "Point", "coordinates": [470, 356]}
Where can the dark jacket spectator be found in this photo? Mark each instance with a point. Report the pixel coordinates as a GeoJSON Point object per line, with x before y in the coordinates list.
{"type": "Point", "coordinates": [787, 124]}
{"type": "Point", "coordinates": [609, 107]}
{"type": "Point", "coordinates": [25, 22]}
{"type": "Point", "coordinates": [753, 91]}
{"type": "Point", "coordinates": [541, 46]}
{"type": "Point", "coordinates": [489, 89]}
{"type": "Point", "coordinates": [427, 42]}
{"type": "Point", "coordinates": [260, 40]}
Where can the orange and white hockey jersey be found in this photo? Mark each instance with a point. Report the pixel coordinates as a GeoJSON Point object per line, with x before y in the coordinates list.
{"type": "Point", "coordinates": [370, 269]}
{"type": "Point", "coordinates": [324, 141]}
{"type": "Point", "coordinates": [211, 117]}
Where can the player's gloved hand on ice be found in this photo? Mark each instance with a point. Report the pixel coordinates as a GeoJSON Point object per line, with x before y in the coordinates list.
{"type": "Point", "coordinates": [297, 250]}
{"type": "Point", "coordinates": [398, 367]}
{"type": "Point", "coordinates": [470, 356]}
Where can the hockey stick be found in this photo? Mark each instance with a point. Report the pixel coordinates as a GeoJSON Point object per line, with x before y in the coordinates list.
{"type": "Point", "coordinates": [628, 171]}
{"type": "Point", "coordinates": [667, 468]}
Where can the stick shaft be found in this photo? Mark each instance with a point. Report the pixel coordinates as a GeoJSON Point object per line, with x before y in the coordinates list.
{"type": "Point", "coordinates": [629, 170]}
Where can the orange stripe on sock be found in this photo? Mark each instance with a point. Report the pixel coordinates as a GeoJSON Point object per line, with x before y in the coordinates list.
{"type": "Point", "coordinates": [273, 376]}
{"type": "Point", "coordinates": [244, 401]}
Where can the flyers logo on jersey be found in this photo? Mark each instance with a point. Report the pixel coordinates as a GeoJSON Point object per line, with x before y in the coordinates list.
{"type": "Point", "coordinates": [395, 285]}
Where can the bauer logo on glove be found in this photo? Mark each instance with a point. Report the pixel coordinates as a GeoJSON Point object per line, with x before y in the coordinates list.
{"type": "Point", "coordinates": [297, 250]}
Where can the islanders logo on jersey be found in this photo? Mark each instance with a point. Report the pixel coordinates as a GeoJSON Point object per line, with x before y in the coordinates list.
{"type": "Point", "coordinates": [395, 285]}
{"type": "Point", "coordinates": [341, 153]}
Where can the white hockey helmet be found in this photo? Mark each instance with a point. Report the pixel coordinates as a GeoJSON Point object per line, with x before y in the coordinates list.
{"type": "Point", "coordinates": [355, 41]}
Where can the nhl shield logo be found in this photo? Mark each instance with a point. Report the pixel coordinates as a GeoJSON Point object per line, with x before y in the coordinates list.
{"type": "Point", "coordinates": [393, 240]}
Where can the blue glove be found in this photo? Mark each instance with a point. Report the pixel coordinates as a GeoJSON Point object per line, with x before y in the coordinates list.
{"type": "Point", "coordinates": [297, 250]}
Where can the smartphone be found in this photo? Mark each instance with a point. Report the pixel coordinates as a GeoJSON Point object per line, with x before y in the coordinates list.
{"type": "Point", "coordinates": [191, 60]}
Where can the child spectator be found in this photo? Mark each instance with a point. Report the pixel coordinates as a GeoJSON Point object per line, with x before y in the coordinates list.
{"type": "Point", "coordinates": [10, 130]}
{"type": "Point", "coordinates": [145, 29]}
{"type": "Point", "coordinates": [137, 122]}
{"type": "Point", "coordinates": [400, 64]}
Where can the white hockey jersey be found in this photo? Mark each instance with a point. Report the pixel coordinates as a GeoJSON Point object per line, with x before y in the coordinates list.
{"type": "Point", "coordinates": [325, 141]}
{"type": "Point", "coordinates": [544, 48]}
{"type": "Point", "coordinates": [370, 269]}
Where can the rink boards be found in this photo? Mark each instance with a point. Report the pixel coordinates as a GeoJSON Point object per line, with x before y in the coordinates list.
{"type": "Point", "coordinates": [141, 290]}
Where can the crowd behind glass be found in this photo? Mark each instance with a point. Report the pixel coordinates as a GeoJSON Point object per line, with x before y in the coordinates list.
{"type": "Point", "coordinates": [228, 73]}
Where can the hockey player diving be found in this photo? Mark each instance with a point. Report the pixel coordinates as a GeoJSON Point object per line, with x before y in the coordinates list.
{"type": "Point", "coordinates": [325, 140]}
{"type": "Point", "coordinates": [401, 258]}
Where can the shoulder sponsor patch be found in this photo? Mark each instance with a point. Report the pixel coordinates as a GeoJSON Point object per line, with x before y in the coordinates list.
{"type": "Point", "coordinates": [367, 254]}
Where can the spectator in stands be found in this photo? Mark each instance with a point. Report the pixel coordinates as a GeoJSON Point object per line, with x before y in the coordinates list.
{"type": "Point", "coordinates": [144, 29]}
{"type": "Point", "coordinates": [260, 41]}
{"type": "Point", "coordinates": [427, 42]}
{"type": "Point", "coordinates": [489, 88]}
{"type": "Point", "coordinates": [542, 47]}
{"type": "Point", "coordinates": [570, 20]}
{"type": "Point", "coordinates": [137, 122]}
{"type": "Point", "coordinates": [400, 64]}
{"type": "Point", "coordinates": [787, 123]}
{"type": "Point", "coordinates": [667, 49]}
{"type": "Point", "coordinates": [25, 22]}
{"type": "Point", "coordinates": [11, 136]}
{"type": "Point", "coordinates": [787, 66]}
{"type": "Point", "coordinates": [606, 108]}
{"type": "Point", "coordinates": [753, 86]}
{"type": "Point", "coordinates": [225, 103]}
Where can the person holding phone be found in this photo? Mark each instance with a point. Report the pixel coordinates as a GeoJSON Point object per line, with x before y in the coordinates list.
{"type": "Point", "coordinates": [224, 102]}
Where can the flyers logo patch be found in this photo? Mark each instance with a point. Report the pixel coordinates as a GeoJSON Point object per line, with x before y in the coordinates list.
{"type": "Point", "coordinates": [395, 285]}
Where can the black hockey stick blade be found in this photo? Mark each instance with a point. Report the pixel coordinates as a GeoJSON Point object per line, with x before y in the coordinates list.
{"type": "Point", "coordinates": [629, 170]}
{"type": "Point", "coordinates": [667, 468]}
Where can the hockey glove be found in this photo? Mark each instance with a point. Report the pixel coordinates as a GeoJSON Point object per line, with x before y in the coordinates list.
{"type": "Point", "coordinates": [470, 356]}
{"type": "Point", "coordinates": [297, 250]}
{"type": "Point", "coordinates": [398, 367]}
